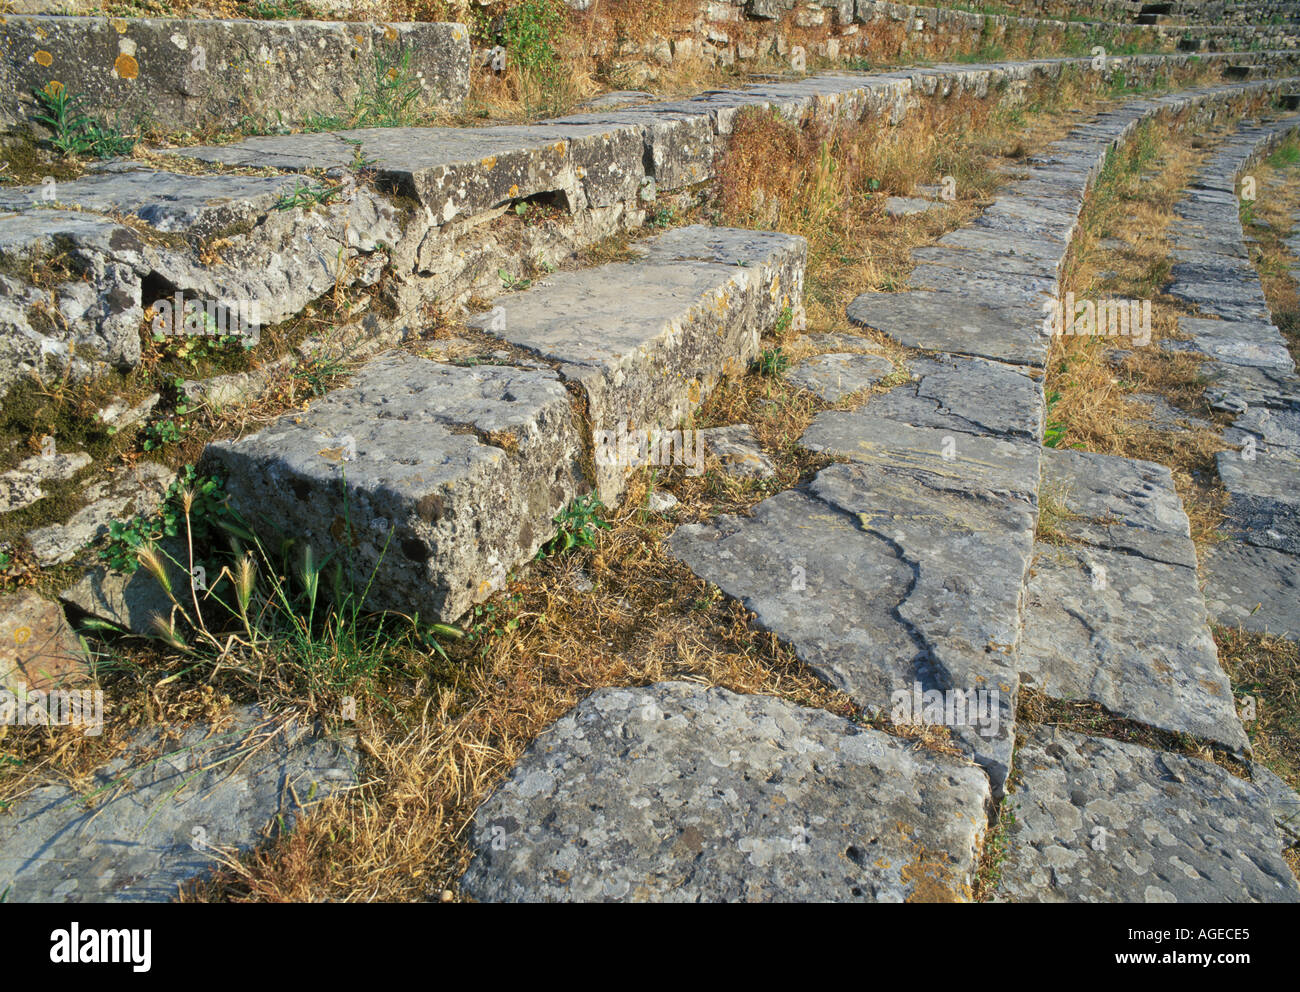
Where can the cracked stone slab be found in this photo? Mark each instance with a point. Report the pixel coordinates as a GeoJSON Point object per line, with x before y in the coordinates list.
{"type": "Point", "coordinates": [162, 810]}
{"type": "Point", "coordinates": [677, 793]}
{"type": "Point", "coordinates": [1001, 289]}
{"type": "Point", "coordinates": [738, 452]}
{"type": "Point", "coordinates": [169, 202]}
{"type": "Point", "coordinates": [1128, 633]}
{"type": "Point", "coordinates": [1098, 820]}
{"type": "Point", "coordinates": [1236, 388]}
{"type": "Point", "coordinates": [141, 489]}
{"type": "Point", "coordinates": [21, 485]}
{"type": "Point", "coordinates": [440, 478]}
{"type": "Point", "coordinates": [1278, 428]}
{"type": "Point", "coordinates": [949, 459]}
{"type": "Point", "coordinates": [906, 206]}
{"type": "Point", "coordinates": [835, 376]}
{"type": "Point", "coordinates": [879, 581]}
{"type": "Point", "coordinates": [952, 322]}
{"type": "Point", "coordinates": [1240, 298]}
{"type": "Point", "coordinates": [1239, 342]}
{"type": "Point", "coordinates": [972, 395]}
{"type": "Point", "coordinates": [1253, 587]}
{"type": "Point", "coordinates": [647, 339]}
{"type": "Point", "coordinates": [1263, 498]}
{"type": "Point", "coordinates": [1125, 504]}
{"type": "Point", "coordinates": [205, 72]}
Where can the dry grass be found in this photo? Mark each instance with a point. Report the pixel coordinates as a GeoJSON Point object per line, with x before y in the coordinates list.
{"type": "Point", "coordinates": [1265, 668]}
{"type": "Point", "coordinates": [622, 614]}
{"type": "Point", "coordinates": [438, 733]}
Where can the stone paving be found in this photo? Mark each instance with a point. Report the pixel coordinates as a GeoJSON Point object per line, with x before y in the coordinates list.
{"type": "Point", "coordinates": [164, 811]}
{"type": "Point", "coordinates": [1253, 575]}
{"type": "Point", "coordinates": [908, 576]}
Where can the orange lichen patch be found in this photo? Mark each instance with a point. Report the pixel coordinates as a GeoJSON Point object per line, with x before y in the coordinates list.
{"type": "Point", "coordinates": [119, 24]}
{"type": "Point", "coordinates": [390, 33]}
{"type": "Point", "coordinates": [490, 162]}
{"type": "Point", "coordinates": [126, 67]}
{"type": "Point", "coordinates": [54, 87]}
{"type": "Point", "coordinates": [514, 190]}
{"type": "Point", "coordinates": [43, 58]}
{"type": "Point", "coordinates": [932, 878]}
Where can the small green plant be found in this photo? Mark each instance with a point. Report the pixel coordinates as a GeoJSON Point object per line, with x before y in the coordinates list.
{"type": "Point", "coordinates": [530, 31]}
{"type": "Point", "coordinates": [1055, 429]}
{"type": "Point", "coordinates": [305, 195]}
{"type": "Point", "coordinates": [772, 363]}
{"type": "Point", "coordinates": [388, 98]}
{"type": "Point", "coordinates": [77, 134]}
{"type": "Point", "coordinates": [161, 433]}
{"type": "Point", "coordinates": [206, 510]}
{"type": "Point", "coordinates": [578, 523]}
{"type": "Point", "coordinates": [279, 10]}
{"type": "Point", "coordinates": [783, 322]}
{"type": "Point", "coordinates": [663, 217]}
{"type": "Point", "coordinates": [510, 282]}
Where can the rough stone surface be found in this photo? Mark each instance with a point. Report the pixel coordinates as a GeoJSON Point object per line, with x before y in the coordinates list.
{"type": "Point", "coordinates": [37, 647]}
{"type": "Point", "coordinates": [133, 602]}
{"type": "Point", "coordinates": [738, 452]}
{"type": "Point", "coordinates": [1282, 800]}
{"type": "Point", "coordinates": [1253, 587]}
{"type": "Point", "coordinates": [1130, 634]}
{"type": "Point", "coordinates": [1263, 500]}
{"type": "Point", "coordinates": [904, 206]}
{"type": "Point", "coordinates": [835, 376]}
{"type": "Point", "coordinates": [684, 794]}
{"type": "Point", "coordinates": [449, 477]}
{"type": "Point", "coordinates": [139, 490]}
{"type": "Point", "coordinates": [162, 810]}
{"type": "Point", "coordinates": [21, 486]}
{"type": "Point", "coordinates": [203, 72]}
{"type": "Point", "coordinates": [1240, 342]}
{"type": "Point", "coordinates": [969, 395]}
{"type": "Point", "coordinates": [1121, 503]}
{"type": "Point", "coordinates": [880, 579]}
{"type": "Point", "coordinates": [648, 339]}
{"type": "Point", "coordinates": [1102, 821]}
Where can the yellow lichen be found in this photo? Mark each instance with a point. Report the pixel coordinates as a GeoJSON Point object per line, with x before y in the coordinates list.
{"type": "Point", "coordinates": [43, 57]}
{"type": "Point", "coordinates": [126, 67]}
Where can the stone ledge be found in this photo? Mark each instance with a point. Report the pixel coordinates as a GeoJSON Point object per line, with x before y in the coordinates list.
{"type": "Point", "coordinates": [188, 73]}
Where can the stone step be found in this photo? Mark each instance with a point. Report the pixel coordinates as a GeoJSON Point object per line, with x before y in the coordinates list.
{"type": "Point", "coordinates": [1251, 576]}
{"type": "Point", "coordinates": [260, 242]}
{"type": "Point", "coordinates": [1114, 612]}
{"type": "Point", "coordinates": [907, 565]}
{"type": "Point", "coordinates": [167, 808]}
{"type": "Point", "coordinates": [195, 72]}
{"type": "Point", "coordinates": [444, 478]}
{"type": "Point", "coordinates": [677, 793]}
{"type": "Point", "coordinates": [1097, 820]}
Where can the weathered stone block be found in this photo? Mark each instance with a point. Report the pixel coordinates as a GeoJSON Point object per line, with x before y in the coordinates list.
{"type": "Point", "coordinates": [675, 793]}
{"type": "Point", "coordinates": [436, 478]}
{"type": "Point", "coordinates": [647, 340]}
{"type": "Point", "coordinates": [204, 72]}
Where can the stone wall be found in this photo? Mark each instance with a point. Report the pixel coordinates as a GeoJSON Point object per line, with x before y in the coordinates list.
{"type": "Point", "coordinates": [220, 73]}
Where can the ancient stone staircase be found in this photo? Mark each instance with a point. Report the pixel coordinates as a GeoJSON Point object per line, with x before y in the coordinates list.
{"type": "Point", "coordinates": [911, 568]}
{"type": "Point", "coordinates": [909, 565]}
